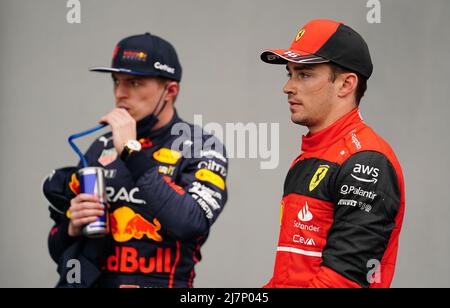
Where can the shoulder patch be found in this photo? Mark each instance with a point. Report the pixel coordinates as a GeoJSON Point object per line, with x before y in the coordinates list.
{"type": "Point", "coordinates": [353, 142]}
{"type": "Point", "coordinates": [167, 156]}
{"type": "Point", "coordinates": [318, 176]}
{"type": "Point", "coordinates": [209, 176]}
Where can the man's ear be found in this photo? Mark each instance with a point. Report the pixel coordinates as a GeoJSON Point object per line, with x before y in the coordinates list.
{"type": "Point", "coordinates": [172, 89]}
{"type": "Point", "coordinates": [347, 84]}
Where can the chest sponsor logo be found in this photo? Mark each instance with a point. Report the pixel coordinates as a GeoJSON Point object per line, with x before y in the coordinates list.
{"type": "Point", "coordinates": [205, 207]}
{"type": "Point", "coordinates": [213, 154]}
{"type": "Point", "coordinates": [347, 202]}
{"type": "Point", "coordinates": [167, 156]}
{"type": "Point", "coordinates": [198, 187]}
{"type": "Point", "coordinates": [206, 175]}
{"type": "Point", "coordinates": [107, 157]}
{"type": "Point", "coordinates": [346, 190]}
{"type": "Point", "coordinates": [353, 203]}
{"type": "Point", "coordinates": [166, 170]}
{"type": "Point", "coordinates": [130, 260]}
{"type": "Point", "coordinates": [298, 239]}
{"type": "Point", "coordinates": [311, 228]}
{"type": "Point", "coordinates": [365, 207]}
{"type": "Point", "coordinates": [318, 176]}
{"type": "Point", "coordinates": [214, 167]}
{"type": "Point", "coordinates": [305, 215]}
{"type": "Point", "coordinates": [206, 194]}
{"type": "Point", "coordinates": [363, 171]}
{"type": "Point", "coordinates": [123, 195]}
{"type": "Point", "coordinates": [127, 225]}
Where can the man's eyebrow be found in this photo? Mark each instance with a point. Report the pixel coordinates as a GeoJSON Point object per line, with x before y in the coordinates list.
{"type": "Point", "coordinates": [301, 67]}
{"type": "Point", "coordinates": [131, 78]}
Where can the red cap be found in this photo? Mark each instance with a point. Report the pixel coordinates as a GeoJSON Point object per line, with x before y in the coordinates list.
{"type": "Point", "coordinates": [322, 41]}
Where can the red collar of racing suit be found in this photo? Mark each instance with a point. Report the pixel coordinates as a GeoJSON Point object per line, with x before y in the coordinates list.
{"type": "Point", "coordinates": [330, 135]}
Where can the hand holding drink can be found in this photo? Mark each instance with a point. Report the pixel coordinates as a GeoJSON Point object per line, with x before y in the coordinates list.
{"type": "Point", "coordinates": [92, 181]}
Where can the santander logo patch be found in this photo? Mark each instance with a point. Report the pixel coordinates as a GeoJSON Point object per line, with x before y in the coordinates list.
{"type": "Point", "coordinates": [305, 215]}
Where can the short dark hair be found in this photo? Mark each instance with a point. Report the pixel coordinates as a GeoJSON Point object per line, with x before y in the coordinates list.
{"type": "Point", "coordinates": [361, 88]}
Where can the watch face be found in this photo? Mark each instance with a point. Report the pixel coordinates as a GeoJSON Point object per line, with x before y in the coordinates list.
{"type": "Point", "coordinates": [134, 145]}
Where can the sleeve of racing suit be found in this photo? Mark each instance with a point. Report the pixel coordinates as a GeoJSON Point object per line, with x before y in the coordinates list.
{"type": "Point", "coordinates": [59, 189]}
{"type": "Point", "coordinates": [189, 208]}
{"type": "Point", "coordinates": [59, 240]}
{"type": "Point", "coordinates": [367, 200]}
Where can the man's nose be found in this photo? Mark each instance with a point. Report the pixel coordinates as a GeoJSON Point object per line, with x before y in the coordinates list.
{"type": "Point", "coordinates": [288, 88]}
{"type": "Point", "coordinates": [120, 92]}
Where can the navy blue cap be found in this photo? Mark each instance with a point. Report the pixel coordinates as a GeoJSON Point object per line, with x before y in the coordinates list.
{"type": "Point", "coordinates": [144, 55]}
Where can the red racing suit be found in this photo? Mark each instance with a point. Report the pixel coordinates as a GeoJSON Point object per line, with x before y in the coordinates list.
{"type": "Point", "coordinates": [342, 210]}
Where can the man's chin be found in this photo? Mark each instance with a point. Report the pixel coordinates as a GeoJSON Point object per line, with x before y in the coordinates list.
{"type": "Point", "coordinates": [299, 120]}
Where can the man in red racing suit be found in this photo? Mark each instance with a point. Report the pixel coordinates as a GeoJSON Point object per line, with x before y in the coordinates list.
{"type": "Point", "coordinates": [343, 201]}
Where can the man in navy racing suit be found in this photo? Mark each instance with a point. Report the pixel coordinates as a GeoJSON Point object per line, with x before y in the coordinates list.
{"type": "Point", "coordinates": [163, 198]}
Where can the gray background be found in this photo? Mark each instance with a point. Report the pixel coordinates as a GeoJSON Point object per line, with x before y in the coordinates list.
{"type": "Point", "coordinates": [46, 93]}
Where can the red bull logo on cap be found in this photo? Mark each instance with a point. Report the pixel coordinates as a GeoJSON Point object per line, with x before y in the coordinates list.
{"type": "Point", "coordinates": [134, 55]}
{"type": "Point", "coordinates": [127, 225]}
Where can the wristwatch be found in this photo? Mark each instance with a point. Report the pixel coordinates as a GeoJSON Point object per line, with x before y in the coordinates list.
{"type": "Point", "coordinates": [131, 147]}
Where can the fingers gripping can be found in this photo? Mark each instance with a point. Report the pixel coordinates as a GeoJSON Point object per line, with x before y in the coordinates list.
{"type": "Point", "coordinates": [92, 182]}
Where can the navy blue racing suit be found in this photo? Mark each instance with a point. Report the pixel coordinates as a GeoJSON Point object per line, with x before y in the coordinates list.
{"type": "Point", "coordinates": [163, 202]}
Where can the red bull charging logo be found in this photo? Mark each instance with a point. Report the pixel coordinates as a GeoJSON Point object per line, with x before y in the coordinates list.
{"type": "Point", "coordinates": [74, 184]}
{"type": "Point", "coordinates": [145, 143]}
{"type": "Point", "coordinates": [126, 225]}
{"type": "Point", "coordinates": [134, 55]}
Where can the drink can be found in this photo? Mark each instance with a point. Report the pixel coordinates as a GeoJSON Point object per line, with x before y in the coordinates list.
{"type": "Point", "coordinates": [92, 182]}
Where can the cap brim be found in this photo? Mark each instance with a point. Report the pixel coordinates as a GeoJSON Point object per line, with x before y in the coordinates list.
{"type": "Point", "coordinates": [283, 56]}
{"type": "Point", "coordinates": [118, 70]}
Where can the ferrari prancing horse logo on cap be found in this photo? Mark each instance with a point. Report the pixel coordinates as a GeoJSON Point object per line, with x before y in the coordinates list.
{"type": "Point", "coordinates": [300, 34]}
{"type": "Point", "coordinates": [318, 176]}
